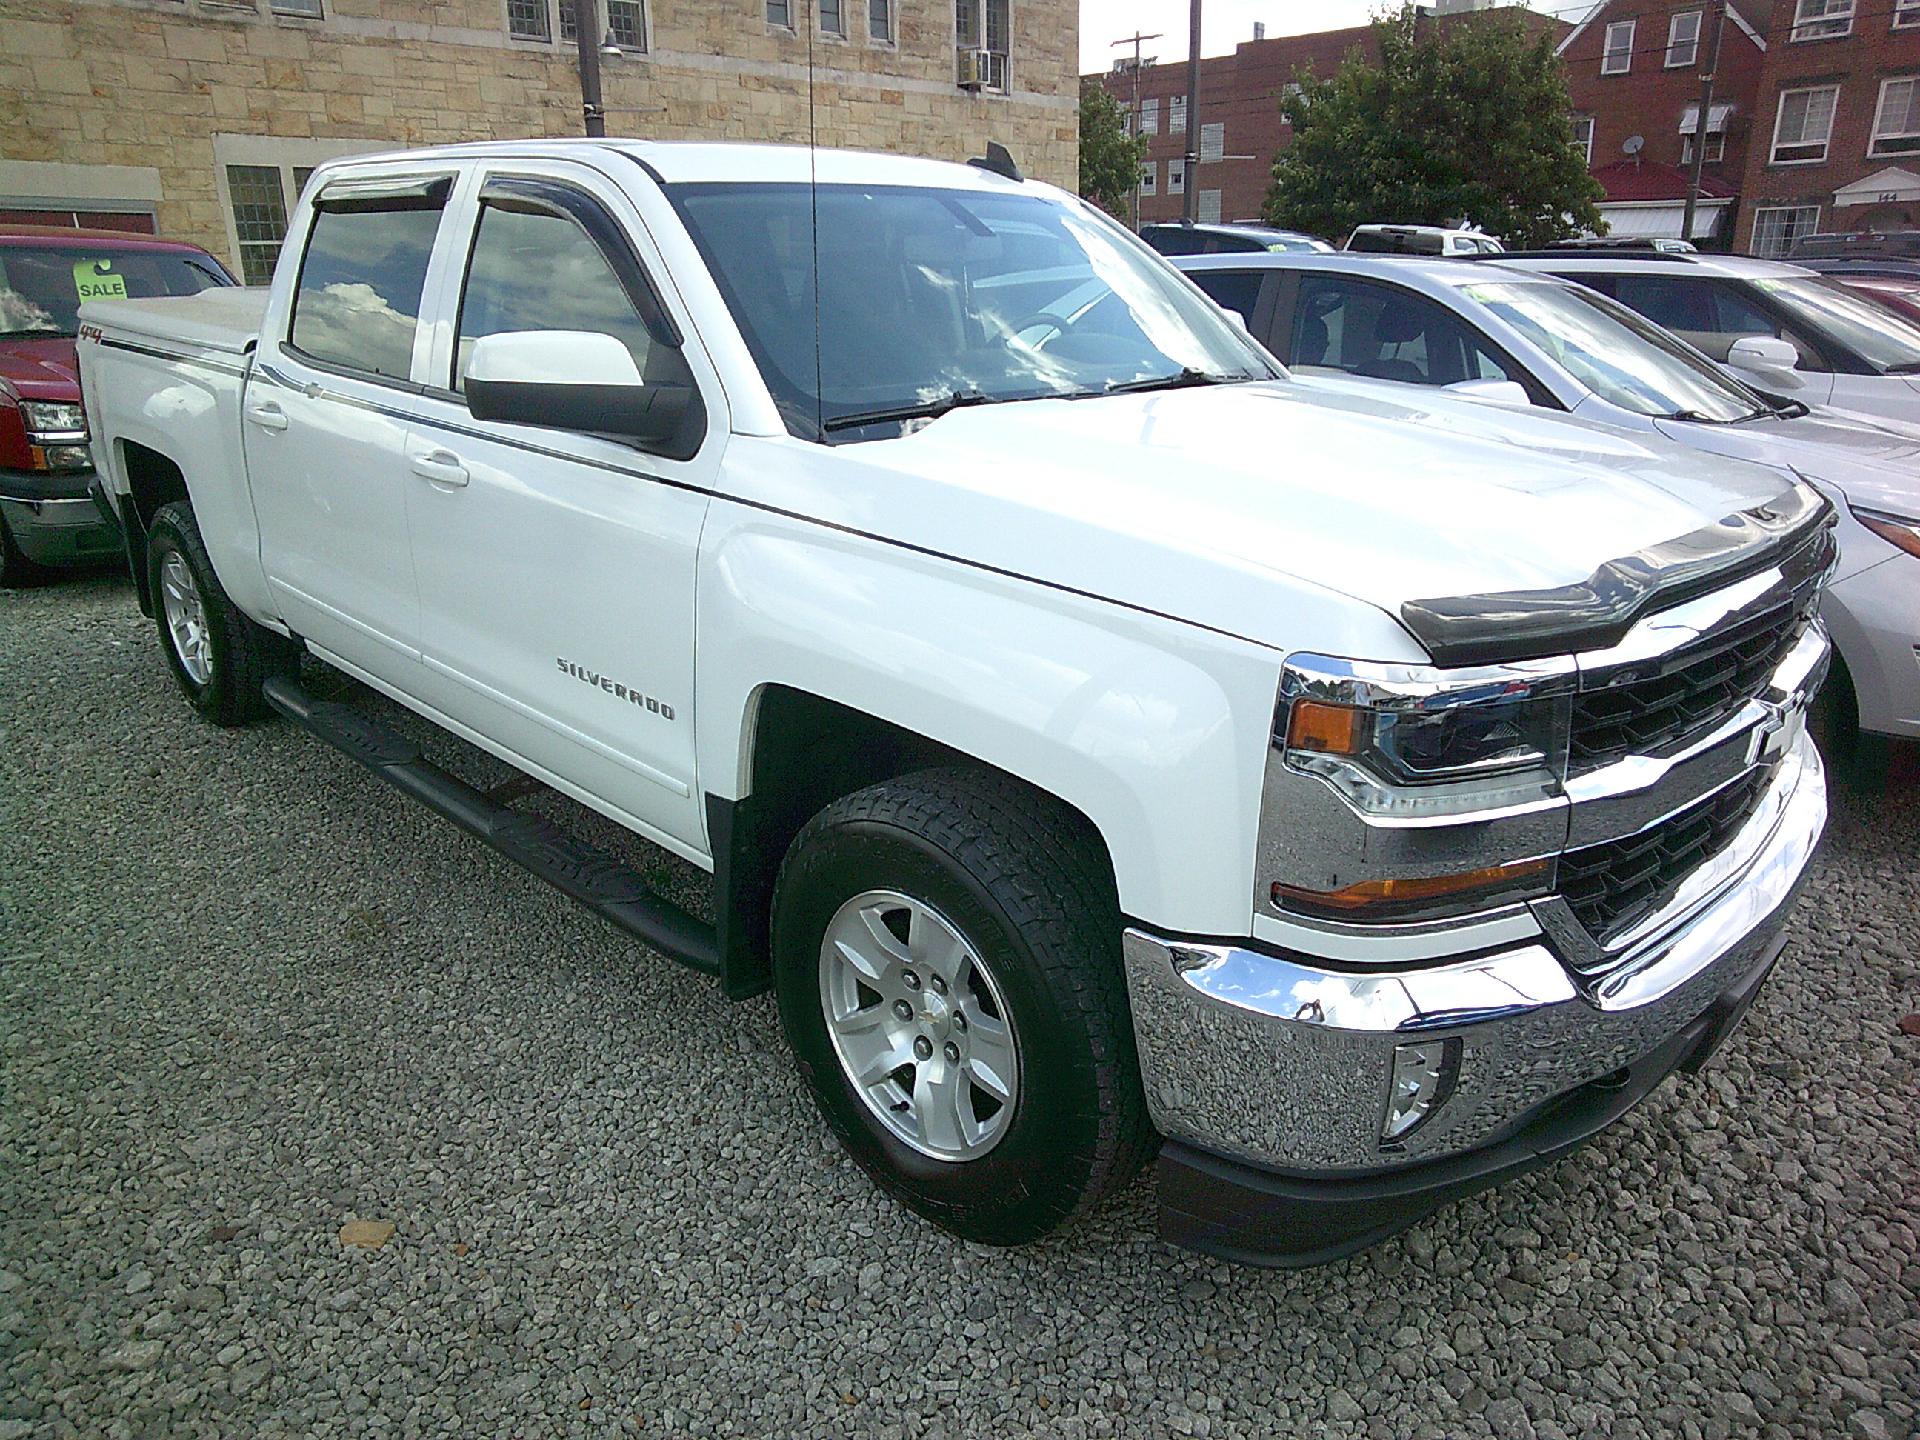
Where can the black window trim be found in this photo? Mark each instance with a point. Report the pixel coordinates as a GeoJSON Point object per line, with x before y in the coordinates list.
{"type": "Point", "coordinates": [369, 195]}
{"type": "Point", "coordinates": [1537, 393]}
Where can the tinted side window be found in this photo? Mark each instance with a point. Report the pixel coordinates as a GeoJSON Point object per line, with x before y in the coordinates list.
{"type": "Point", "coordinates": [1681, 305]}
{"type": "Point", "coordinates": [1236, 290]}
{"type": "Point", "coordinates": [533, 271]}
{"type": "Point", "coordinates": [1385, 333]}
{"type": "Point", "coordinates": [1176, 240]}
{"type": "Point", "coordinates": [358, 303]}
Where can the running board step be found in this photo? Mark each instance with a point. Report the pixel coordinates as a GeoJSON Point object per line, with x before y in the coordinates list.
{"type": "Point", "coordinates": [611, 889]}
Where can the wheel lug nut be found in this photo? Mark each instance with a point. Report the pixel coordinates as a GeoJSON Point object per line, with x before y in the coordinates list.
{"type": "Point", "coordinates": [923, 1047]}
{"type": "Point", "coordinates": [959, 1020]}
{"type": "Point", "coordinates": [939, 985]}
{"type": "Point", "coordinates": [910, 980]}
{"type": "Point", "coordinates": [953, 1053]}
{"type": "Point", "coordinates": [903, 1010]}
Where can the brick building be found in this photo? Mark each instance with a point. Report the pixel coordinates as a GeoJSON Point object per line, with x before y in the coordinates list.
{"type": "Point", "coordinates": [1837, 132]}
{"type": "Point", "coordinates": [1633, 72]}
{"type": "Point", "coordinates": [201, 118]}
{"type": "Point", "coordinates": [1240, 125]}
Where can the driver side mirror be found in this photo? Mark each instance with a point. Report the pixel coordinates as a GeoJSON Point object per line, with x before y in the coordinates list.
{"type": "Point", "coordinates": [1767, 354]}
{"type": "Point", "coordinates": [572, 380]}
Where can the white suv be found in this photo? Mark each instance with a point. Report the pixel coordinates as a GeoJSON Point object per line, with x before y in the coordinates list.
{"type": "Point", "coordinates": [1786, 330]}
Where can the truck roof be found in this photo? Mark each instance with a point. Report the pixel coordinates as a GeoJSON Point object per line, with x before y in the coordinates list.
{"type": "Point", "coordinates": [706, 161]}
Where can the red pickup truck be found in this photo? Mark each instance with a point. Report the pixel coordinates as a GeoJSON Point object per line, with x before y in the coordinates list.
{"type": "Point", "coordinates": [47, 515]}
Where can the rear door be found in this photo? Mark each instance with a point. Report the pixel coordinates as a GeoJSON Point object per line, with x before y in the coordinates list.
{"type": "Point", "coordinates": [325, 419]}
{"type": "Point", "coordinates": [556, 568]}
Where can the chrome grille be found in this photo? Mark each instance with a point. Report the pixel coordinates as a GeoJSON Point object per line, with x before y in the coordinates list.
{"type": "Point", "coordinates": [1612, 886]}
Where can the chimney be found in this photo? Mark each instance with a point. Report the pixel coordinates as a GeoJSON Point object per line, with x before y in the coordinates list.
{"type": "Point", "coordinates": [1259, 29]}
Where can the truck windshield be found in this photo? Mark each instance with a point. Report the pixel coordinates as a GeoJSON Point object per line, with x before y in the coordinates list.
{"type": "Point", "coordinates": [42, 286]}
{"type": "Point", "coordinates": [1890, 344]}
{"type": "Point", "coordinates": [1616, 353]}
{"type": "Point", "coordinates": [931, 298]}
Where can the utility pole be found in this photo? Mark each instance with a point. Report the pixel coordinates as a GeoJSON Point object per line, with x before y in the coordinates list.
{"type": "Point", "coordinates": [1136, 40]}
{"type": "Point", "coordinates": [586, 14]}
{"type": "Point", "coordinates": [1703, 119]}
{"type": "Point", "coordinates": [1191, 161]}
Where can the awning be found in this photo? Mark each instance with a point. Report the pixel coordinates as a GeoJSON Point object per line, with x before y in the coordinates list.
{"type": "Point", "coordinates": [1890, 186]}
{"type": "Point", "coordinates": [1660, 220]}
{"type": "Point", "coordinates": [1716, 119]}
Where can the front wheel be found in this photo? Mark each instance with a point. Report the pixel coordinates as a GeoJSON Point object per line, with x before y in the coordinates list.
{"type": "Point", "coordinates": [219, 656]}
{"type": "Point", "coordinates": [947, 961]}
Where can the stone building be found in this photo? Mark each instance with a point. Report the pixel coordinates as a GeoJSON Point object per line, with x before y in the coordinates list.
{"type": "Point", "coordinates": [201, 118]}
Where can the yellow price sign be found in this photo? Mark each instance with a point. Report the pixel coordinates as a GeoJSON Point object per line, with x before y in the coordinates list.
{"type": "Point", "coordinates": [98, 280]}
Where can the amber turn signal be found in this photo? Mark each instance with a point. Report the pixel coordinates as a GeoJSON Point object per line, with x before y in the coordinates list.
{"type": "Point", "coordinates": [1327, 729]}
{"type": "Point", "coordinates": [1406, 889]}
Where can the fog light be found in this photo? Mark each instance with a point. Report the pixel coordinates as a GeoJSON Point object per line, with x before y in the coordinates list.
{"type": "Point", "coordinates": [1422, 1079]}
{"type": "Point", "coordinates": [69, 457]}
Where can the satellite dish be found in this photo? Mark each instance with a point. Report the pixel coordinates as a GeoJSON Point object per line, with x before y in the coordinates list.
{"type": "Point", "coordinates": [1633, 144]}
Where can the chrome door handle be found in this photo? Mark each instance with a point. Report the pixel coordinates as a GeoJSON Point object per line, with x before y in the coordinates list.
{"type": "Point", "coordinates": [442, 467]}
{"type": "Point", "coordinates": [267, 415]}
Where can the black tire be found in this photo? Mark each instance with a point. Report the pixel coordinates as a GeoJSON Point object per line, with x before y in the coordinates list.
{"type": "Point", "coordinates": [1026, 883]}
{"type": "Point", "coordinates": [242, 653]}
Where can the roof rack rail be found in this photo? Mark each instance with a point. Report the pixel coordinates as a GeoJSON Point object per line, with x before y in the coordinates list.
{"type": "Point", "coordinates": [1594, 252]}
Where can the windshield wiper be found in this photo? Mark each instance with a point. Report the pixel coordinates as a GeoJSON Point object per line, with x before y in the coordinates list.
{"type": "Point", "coordinates": [1184, 379]}
{"type": "Point", "coordinates": [925, 410]}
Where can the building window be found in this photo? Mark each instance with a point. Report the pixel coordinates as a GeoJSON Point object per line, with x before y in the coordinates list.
{"type": "Point", "coordinates": [569, 27]}
{"type": "Point", "coordinates": [528, 20]}
{"type": "Point", "coordinates": [832, 22]}
{"type": "Point", "coordinates": [1716, 148]}
{"type": "Point", "coordinates": [1775, 228]}
{"type": "Point", "coordinates": [1149, 179]}
{"type": "Point", "coordinates": [259, 204]}
{"type": "Point", "coordinates": [309, 8]}
{"type": "Point", "coordinates": [880, 21]}
{"type": "Point", "coordinates": [1583, 136]}
{"type": "Point", "coordinates": [984, 25]}
{"type": "Point", "coordinates": [1617, 58]}
{"type": "Point", "coordinates": [780, 12]}
{"type": "Point", "coordinates": [627, 23]}
{"type": "Point", "coordinates": [1149, 117]}
{"type": "Point", "coordinates": [1804, 125]}
{"type": "Point", "coordinates": [1207, 211]}
{"type": "Point", "coordinates": [1177, 115]}
{"type": "Point", "coordinates": [1906, 13]}
{"type": "Point", "coordinates": [1683, 39]}
{"type": "Point", "coordinates": [1896, 123]}
{"type": "Point", "coordinates": [1822, 19]}
{"type": "Point", "coordinates": [1213, 142]}
{"type": "Point", "coordinates": [1176, 177]}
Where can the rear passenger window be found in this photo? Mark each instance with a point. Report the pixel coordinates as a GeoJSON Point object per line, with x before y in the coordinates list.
{"type": "Point", "coordinates": [1235, 290]}
{"type": "Point", "coordinates": [358, 302]}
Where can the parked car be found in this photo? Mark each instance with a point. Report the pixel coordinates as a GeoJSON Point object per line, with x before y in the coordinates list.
{"type": "Point", "coordinates": [1899, 293]}
{"type": "Point", "coordinates": [1527, 338]}
{"type": "Point", "coordinates": [1860, 246]}
{"type": "Point", "coordinates": [1218, 239]}
{"type": "Point", "coordinates": [1355, 831]}
{"type": "Point", "coordinates": [1420, 240]}
{"type": "Point", "coordinates": [1781, 328]}
{"type": "Point", "coordinates": [1882, 267]}
{"type": "Point", "coordinates": [1664, 244]}
{"type": "Point", "coordinates": [46, 516]}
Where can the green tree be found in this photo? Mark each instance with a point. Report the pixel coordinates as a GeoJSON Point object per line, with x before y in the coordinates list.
{"type": "Point", "coordinates": [1466, 119]}
{"type": "Point", "coordinates": [1110, 158]}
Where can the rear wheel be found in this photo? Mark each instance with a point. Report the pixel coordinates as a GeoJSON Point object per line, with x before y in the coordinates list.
{"type": "Point", "coordinates": [947, 960]}
{"type": "Point", "coordinates": [219, 657]}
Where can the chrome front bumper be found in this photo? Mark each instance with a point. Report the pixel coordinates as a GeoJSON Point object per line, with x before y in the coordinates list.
{"type": "Point", "coordinates": [1281, 1062]}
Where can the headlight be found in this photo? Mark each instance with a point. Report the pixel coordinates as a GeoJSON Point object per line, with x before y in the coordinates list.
{"type": "Point", "coordinates": [53, 417]}
{"type": "Point", "coordinates": [1894, 529]}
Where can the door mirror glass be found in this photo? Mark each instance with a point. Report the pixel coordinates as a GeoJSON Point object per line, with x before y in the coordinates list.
{"type": "Point", "coordinates": [571, 380]}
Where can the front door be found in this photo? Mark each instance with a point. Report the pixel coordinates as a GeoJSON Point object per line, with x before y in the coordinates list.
{"type": "Point", "coordinates": [556, 568]}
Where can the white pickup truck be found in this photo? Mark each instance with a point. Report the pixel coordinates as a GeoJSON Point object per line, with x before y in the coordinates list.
{"type": "Point", "coordinates": [1100, 742]}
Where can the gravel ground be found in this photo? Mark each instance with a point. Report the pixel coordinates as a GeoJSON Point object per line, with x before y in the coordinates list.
{"type": "Point", "coordinates": [247, 996]}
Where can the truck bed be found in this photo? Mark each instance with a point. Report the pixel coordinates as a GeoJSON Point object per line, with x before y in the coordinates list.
{"type": "Point", "coordinates": [225, 320]}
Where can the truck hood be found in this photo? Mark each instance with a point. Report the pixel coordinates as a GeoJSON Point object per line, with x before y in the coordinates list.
{"type": "Point", "coordinates": [40, 369]}
{"type": "Point", "coordinates": [1194, 502]}
{"type": "Point", "coordinates": [1874, 464]}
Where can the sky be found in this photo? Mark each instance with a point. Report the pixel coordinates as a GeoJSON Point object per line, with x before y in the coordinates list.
{"type": "Point", "coordinates": [1224, 23]}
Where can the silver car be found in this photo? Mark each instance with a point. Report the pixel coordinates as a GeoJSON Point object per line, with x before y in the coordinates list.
{"type": "Point", "coordinates": [1525, 338]}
